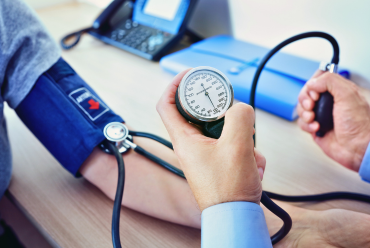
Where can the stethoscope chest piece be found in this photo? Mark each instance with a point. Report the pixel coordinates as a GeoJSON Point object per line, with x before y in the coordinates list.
{"type": "Point", "coordinates": [117, 133]}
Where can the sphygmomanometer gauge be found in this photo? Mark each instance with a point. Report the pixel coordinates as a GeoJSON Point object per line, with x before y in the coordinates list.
{"type": "Point", "coordinates": [204, 95]}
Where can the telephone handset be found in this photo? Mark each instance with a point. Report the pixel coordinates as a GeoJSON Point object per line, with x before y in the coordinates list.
{"type": "Point", "coordinates": [113, 14]}
{"type": "Point", "coordinates": [147, 28]}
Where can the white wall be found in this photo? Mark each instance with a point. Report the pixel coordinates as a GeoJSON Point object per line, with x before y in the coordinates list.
{"type": "Point", "coordinates": [268, 22]}
{"type": "Point", "coordinates": [38, 4]}
{"type": "Point", "coordinates": [99, 3]}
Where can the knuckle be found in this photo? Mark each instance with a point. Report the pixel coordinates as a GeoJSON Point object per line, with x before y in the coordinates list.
{"type": "Point", "coordinates": [303, 94]}
{"type": "Point", "coordinates": [302, 124]}
{"type": "Point", "coordinates": [299, 110]}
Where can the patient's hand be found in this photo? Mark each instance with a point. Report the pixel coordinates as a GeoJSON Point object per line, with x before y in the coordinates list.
{"type": "Point", "coordinates": [322, 229]}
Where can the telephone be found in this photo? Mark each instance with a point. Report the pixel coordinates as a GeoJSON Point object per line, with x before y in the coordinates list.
{"type": "Point", "coordinates": [147, 28]}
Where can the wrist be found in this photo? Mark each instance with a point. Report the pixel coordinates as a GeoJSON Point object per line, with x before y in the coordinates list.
{"type": "Point", "coordinates": [205, 206]}
{"type": "Point", "coordinates": [209, 200]}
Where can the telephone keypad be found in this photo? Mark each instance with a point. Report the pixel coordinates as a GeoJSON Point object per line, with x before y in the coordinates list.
{"type": "Point", "coordinates": [142, 38]}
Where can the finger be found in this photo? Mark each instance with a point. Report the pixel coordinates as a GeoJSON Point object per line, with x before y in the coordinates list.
{"type": "Point", "coordinates": [176, 125]}
{"type": "Point", "coordinates": [300, 109]}
{"type": "Point", "coordinates": [312, 127]}
{"type": "Point", "coordinates": [314, 95]}
{"type": "Point", "coordinates": [260, 161]}
{"type": "Point", "coordinates": [310, 94]}
{"type": "Point", "coordinates": [319, 84]}
{"type": "Point", "coordinates": [338, 86]}
{"type": "Point", "coordinates": [238, 127]}
{"type": "Point", "coordinates": [303, 95]}
{"type": "Point", "coordinates": [306, 98]}
{"type": "Point", "coordinates": [306, 116]}
{"type": "Point", "coordinates": [318, 73]}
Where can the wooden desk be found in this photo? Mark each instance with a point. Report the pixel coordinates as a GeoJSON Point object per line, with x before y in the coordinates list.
{"type": "Point", "coordinates": [73, 213]}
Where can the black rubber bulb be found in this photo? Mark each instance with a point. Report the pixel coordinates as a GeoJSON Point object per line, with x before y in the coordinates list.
{"type": "Point", "coordinates": [324, 113]}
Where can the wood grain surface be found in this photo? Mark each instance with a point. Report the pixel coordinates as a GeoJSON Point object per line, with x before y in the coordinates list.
{"type": "Point", "coordinates": [73, 213]}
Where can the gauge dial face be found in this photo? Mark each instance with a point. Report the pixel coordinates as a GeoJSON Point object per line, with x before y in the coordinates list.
{"type": "Point", "coordinates": [205, 93]}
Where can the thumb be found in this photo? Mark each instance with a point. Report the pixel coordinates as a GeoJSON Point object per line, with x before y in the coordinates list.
{"type": "Point", "coordinates": [238, 127]}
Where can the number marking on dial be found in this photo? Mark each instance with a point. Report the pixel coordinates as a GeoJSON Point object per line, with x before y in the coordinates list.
{"type": "Point", "coordinates": [206, 93]}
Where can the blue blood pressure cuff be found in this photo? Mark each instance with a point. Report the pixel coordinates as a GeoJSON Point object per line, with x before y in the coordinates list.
{"type": "Point", "coordinates": [66, 115]}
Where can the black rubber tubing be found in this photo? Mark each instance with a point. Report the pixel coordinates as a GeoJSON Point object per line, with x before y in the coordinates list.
{"type": "Point", "coordinates": [119, 194]}
{"type": "Point", "coordinates": [159, 161]}
{"type": "Point", "coordinates": [153, 137]}
{"type": "Point", "coordinates": [265, 199]}
{"type": "Point", "coordinates": [315, 34]}
{"type": "Point", "coordinates": [320, 197]}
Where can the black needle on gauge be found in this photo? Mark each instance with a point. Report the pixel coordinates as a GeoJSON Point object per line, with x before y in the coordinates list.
{"type": "Point", "coordinates": [207, 94]}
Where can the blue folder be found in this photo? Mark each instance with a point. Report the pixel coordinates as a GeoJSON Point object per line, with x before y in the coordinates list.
{"type": "Point", "coordinates": [279, 84]}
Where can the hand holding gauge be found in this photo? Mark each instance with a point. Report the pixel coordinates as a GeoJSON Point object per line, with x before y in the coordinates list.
{"type": "Point", "coordinates": [194, 104]}
{"type": "Point", "coordinates": [207, 95]}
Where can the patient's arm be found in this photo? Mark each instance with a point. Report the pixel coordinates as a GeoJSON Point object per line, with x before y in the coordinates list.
{"type": "Point", "coordinates": [149, 188]}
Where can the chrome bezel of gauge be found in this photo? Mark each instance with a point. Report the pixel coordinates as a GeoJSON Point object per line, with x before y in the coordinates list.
{"type": "Point", "coordinates": [182, 99]}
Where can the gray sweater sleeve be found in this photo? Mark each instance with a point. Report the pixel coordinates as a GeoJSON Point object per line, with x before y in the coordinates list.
{"type": "Point", "coordinates": [26, 50]}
